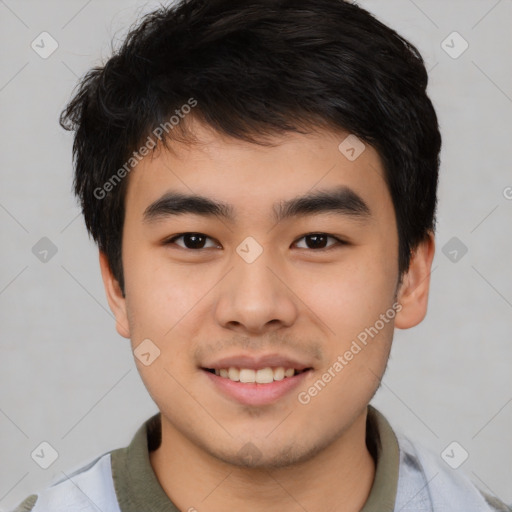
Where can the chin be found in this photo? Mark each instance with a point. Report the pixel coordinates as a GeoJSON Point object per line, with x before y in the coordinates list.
{"type": "Point", "coordinates": [250, 456]}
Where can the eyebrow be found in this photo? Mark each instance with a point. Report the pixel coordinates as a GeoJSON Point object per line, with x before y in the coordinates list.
{"type": "Point", "coordinates": [341, 200]}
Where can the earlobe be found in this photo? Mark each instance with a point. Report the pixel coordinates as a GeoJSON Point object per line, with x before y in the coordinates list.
{"type": "Point", "coordinates": [414, 290]}
{"type": "Point", "coordinates": [116, 300]}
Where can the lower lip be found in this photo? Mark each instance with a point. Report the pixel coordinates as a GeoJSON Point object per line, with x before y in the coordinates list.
{"type": "Point", "coordinates": [254, 393]}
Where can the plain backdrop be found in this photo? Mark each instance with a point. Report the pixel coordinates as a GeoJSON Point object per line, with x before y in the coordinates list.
{"type": "Point", "coordinates": [68, 379]}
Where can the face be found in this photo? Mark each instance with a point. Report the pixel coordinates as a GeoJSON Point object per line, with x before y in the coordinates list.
{"type": "Point", "coordinates": [262, 281]}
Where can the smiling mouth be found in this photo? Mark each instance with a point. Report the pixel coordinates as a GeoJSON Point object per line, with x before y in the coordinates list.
{"type": "Point", "coordinates": [260, 376]}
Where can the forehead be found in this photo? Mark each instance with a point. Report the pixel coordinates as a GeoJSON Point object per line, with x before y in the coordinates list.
{"type": "Point", "coordinates": [252, 180]}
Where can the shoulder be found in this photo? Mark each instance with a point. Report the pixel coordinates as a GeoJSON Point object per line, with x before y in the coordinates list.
{"type": "Point", "coordinates": [424, 477]}
{"type": "Point", "coordinates": [87, 489]}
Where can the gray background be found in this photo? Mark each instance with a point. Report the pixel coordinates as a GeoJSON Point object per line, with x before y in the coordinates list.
{"type": "Point", "coordinates": [66, 376]}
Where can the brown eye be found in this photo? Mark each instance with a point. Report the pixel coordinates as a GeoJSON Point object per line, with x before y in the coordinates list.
{"type": "Point", "coordinates": [318, 241]}
{"type": "Point", "coordinates": [191, 241]}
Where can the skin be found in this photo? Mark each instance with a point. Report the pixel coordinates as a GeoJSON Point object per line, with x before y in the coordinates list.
{"type": "Point", "coordinates": [294, 298]}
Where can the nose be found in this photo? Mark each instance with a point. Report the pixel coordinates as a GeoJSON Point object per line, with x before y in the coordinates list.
{"type": "Point", "coordinates": [255, 298]}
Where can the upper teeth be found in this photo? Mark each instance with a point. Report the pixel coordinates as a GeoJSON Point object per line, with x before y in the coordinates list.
{"type": "Point", "coordinates": [262, 376]}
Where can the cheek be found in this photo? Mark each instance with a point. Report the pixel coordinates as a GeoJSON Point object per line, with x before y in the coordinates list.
{"type": "Point", "coordinates": [161, 301]}
{"type": "Point", "coordinates": [149, 291]}
{"type": "Point", "coordinates": [350, 295]}
{"type": "Point", "coordinates": [161, 295]}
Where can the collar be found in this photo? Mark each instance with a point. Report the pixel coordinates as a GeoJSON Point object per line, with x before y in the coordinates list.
{"type": "Point", "coordinates": [382, 444]}
{"type": "Point", "coordinates": [137, 487]}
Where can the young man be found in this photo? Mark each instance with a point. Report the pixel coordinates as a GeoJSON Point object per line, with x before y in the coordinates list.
{"type": "Point", "coordinates": [261, 180]}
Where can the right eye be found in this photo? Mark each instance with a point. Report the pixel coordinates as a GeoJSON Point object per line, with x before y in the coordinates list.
{"type": "Point", "coordinates": [193, 241]}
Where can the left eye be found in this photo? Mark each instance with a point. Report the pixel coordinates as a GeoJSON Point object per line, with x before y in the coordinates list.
{"type": "Point", "coordinates": [317, 241]}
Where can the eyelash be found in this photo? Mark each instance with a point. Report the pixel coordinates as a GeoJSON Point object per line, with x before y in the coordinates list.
{"type": "Point", "coordinates": [339, 242]}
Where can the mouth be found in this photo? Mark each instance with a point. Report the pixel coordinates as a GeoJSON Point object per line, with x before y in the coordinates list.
{"type": "Point", "coordinates": [260, 376]}
{"type": "Point", "coordinates": [256, 387]}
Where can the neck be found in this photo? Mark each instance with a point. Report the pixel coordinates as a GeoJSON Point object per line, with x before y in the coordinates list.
{"type": "Point", "coordinates": [338, 477]}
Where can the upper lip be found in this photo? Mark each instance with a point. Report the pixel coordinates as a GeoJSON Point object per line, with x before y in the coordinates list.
{"type": "Point", "coordinates": [257, 362]}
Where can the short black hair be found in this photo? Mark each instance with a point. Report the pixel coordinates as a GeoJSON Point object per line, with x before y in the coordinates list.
{"type": "Point", "coordinates": [252, 70]}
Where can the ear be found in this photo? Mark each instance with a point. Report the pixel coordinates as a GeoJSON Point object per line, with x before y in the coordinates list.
{"type": "Point", "coordinates": [115, 297]}
{"type": "Point", "coordinates": [413, 292]}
